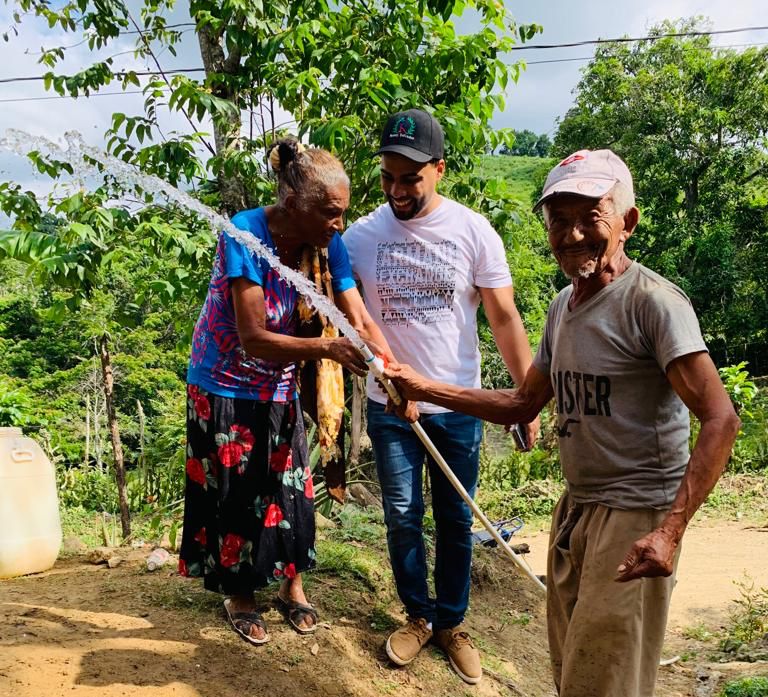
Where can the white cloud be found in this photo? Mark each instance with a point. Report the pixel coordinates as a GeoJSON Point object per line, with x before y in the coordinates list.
{"type": "Point", "coordinates": [544, 90]}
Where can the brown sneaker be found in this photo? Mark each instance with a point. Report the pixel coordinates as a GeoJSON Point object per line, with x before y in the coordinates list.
{"type": "Point", "coordinates": [462, 654]}
{"type": "Point", "coordinates": [405, 643]}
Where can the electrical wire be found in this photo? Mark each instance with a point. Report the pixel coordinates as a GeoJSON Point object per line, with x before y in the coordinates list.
{"type": "Point", "coordinates": [119, 94]}
{"type": "Point", "coordinates": [589, 58]}
{"type": "Point", "coordinates": [122, 73]}
{"type": "Point", "coordinates": [626, 39]}
{"type": "Point", "coordinates": [31, 78]}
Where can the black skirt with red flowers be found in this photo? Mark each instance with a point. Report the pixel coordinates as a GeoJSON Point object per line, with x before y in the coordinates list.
{"type": "Point", "coordinates": [249, 508]}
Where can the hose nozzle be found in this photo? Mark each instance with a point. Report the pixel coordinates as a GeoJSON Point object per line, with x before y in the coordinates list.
{"type": "Point", "coordinates": [376, 366]}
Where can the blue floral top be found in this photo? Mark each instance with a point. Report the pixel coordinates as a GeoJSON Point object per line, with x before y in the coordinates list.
{"type": "Point", "coordinates": [218, 363]}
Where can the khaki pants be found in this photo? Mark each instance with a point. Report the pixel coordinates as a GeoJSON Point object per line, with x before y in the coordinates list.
{"type": "Point", "coordinates": [605, 638]}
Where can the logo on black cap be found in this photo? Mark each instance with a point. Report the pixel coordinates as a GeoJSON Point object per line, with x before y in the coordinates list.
{"type": "Point", "coordinates": [404, 127]}
{"type": "Point", "coordinates": [415, 134]}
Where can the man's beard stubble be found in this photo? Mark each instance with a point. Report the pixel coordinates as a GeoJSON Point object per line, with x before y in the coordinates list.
{"type": "Point", "coordinates": [409, 213]}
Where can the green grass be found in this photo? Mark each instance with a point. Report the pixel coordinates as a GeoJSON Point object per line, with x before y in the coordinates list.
{"type": "Point", "coordinates": [357, 524]}
{"type": "Point", "coordinates": [521, 173]}
{"type": "Point", "coordinates": [82, 524]}
{"type": "Point", "coordinates": [740, 496]}
{"type": "Point", "coordinates": [99, 529]}
{"type": "Point", "coordinates": [381, 620]}
{"type": "Point", "coordinates": [698, 632]}
{"type": "Point", "coordinates": [353, 563]}
{"type": "Point", "coordinates": [746, 687]}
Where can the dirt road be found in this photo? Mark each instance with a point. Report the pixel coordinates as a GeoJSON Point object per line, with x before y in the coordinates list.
{"type": "Point", "coordinates": [80, 630]}
{"type": "Point", "coordinates": [716, 555]}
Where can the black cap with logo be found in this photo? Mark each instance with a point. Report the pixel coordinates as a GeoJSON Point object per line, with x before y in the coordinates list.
{"type": "Point", "coordinates": [415, 134]}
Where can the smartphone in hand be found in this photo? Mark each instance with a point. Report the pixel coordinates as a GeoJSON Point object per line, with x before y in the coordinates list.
{"type": "Point", "coordinates": [520, 436]}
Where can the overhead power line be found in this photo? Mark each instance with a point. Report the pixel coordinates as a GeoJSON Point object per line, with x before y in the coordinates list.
{"type": "Point", "coordinates": [120, 74]}
{"type": "Point", "coordinates": [145, 73]}
{"type": "Point", "coordinates": [589, 58]}
{"type": "Point", "coordinates": [626, 39]}
{"type": "Point", "coordinates": [69, 96]}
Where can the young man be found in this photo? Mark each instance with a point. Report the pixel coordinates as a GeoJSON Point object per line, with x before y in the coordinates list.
{"type": "Point", "coordinates": [425, 263]}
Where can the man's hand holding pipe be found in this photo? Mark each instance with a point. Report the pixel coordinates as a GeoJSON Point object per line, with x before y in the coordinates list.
{"type": "Point", "coordinates": [410, 384]}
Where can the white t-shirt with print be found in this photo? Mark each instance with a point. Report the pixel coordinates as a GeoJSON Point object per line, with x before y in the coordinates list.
{"type": "Point", "coordinates": [420, 281]}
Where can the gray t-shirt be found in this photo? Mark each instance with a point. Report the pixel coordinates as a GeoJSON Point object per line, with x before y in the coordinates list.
{"type": "Point", "coordinates": [623, 430]}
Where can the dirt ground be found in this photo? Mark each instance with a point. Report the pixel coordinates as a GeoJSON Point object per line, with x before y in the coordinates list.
{"type": "Point", "coordinates": [82, 630]}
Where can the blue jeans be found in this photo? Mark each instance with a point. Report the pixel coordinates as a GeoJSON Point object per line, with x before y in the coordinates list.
{"type": "Point", "coordinates": [399, 461]}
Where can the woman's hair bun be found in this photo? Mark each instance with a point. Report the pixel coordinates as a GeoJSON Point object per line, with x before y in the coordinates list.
{"type": "Point", "coordinates": [283, 152]}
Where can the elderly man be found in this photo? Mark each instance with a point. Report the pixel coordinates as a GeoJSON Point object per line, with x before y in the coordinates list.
{"type": "Point", "coordinates": [623, 357]}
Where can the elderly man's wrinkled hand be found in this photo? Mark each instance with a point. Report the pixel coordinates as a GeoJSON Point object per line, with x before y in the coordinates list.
{"type": "Point", "coordinates": [406, 410]}
{"type": "Point", "coordinates": [410, 384]}
{"type": "Point", "coordinates": [651, 556]}
{"type": "Point", "coordinates": [533, 430]}
{"type": "Point", "coordinates": [531, 433]}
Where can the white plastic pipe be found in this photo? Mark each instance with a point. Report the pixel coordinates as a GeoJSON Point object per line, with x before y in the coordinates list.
{"type": "Point", "coordinates": [376, 366]}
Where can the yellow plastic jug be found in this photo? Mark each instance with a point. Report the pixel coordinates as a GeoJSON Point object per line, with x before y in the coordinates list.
{"type": "Point", "coordinates": [30, 527]}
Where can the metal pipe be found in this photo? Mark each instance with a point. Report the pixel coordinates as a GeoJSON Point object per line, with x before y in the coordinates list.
{"type": "Point", "coordinates": [376, 365]}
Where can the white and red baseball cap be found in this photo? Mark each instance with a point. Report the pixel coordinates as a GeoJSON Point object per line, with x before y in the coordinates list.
{"type": "Point", "coordinates": [589, 173]}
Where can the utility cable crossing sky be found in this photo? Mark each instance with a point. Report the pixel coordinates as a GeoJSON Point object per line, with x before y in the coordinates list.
{"type": "Point", "coordinates": [588, 42]}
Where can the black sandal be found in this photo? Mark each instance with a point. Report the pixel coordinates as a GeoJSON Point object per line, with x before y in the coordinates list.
{"type": "Point", "coordinates": [241, 622]}
{"type": "Point", "coordinates": [295, 612]}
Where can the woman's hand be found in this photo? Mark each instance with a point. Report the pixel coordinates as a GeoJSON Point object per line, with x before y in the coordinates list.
{"type": "Point", "coordinates": [410, 384]}
{"type": "Point", "coordinates": [345, 352]}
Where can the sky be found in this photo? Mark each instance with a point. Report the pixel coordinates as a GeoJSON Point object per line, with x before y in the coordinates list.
{"type": "Point", "coordinates": [542, 95]}
{"type": "Point", "coordinates": [543, 92]}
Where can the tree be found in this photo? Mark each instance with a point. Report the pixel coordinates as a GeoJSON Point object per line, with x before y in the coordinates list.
{"type": "Point", "coordinates": [691, 121]}
{"type": "Point", "coordinates": [528, 143]}
{"type": "Point", "coordinates": [543, 145]}
{"type": "Point", "coordinates": [76, 247]}
{"type": "Point", "coordinates": [335, 69]}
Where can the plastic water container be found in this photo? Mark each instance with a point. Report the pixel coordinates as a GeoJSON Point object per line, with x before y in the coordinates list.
{"type": "Point", "coordinates": [30, 527]}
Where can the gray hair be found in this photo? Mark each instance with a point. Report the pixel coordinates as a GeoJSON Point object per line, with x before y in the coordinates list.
{"type": "Point", "coordinates": [309, 173]}
{"type": "Point", "coordinates": [622, 197]}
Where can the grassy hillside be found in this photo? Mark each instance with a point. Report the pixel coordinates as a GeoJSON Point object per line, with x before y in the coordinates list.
{"type": "Point", "coordinates": [524, 174]}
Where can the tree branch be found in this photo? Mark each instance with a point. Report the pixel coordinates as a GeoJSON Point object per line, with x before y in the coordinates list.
{"type": "Point", "coordinates": [149, 50]}
{"type": "Point", "coordinates": [757, 173]}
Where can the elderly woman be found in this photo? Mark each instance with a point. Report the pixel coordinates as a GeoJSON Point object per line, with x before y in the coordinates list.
{"type": "Point", "coordinates": [248, 515]}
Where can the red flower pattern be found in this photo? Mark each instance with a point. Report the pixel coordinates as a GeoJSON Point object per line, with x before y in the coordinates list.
{"type": "Point", "coordinates": [230, 550]}
{"type": "Point", "coordinates": [309, 488]}
{"type": "Point", "coordinates": [273, 516]}
{"type": "Point", "coordinates": [195, 471]}
{"type": "Point", "coordinates": [202, 407]}
{"type": "Point", "coordinates": [230, 454]}
{"type": "Point", "coordinates": [240, 442]}
{"type": "Point", "coordinates": [281, 459]}
{"type": "Point", "coordinates": [232, 449]}
{"type": "Point", "coordinates": [243, 435]}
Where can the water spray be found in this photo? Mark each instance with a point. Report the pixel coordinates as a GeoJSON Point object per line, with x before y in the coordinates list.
{"type": "Point", "coordinates": [77, 155]}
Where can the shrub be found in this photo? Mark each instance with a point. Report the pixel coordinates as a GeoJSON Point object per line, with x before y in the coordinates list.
{"type": "Point", "coordinates": [749, 619]}
{"type": "Point", "coordinates": [87, 488]}
{"type": "Point", "coordinates": [746, 687]}
{"type": "Point", "coordinates": [15, 405]}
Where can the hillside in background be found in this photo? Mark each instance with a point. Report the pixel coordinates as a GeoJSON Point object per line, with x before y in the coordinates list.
{"type": "Point", "coordinates": [523, 174]}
